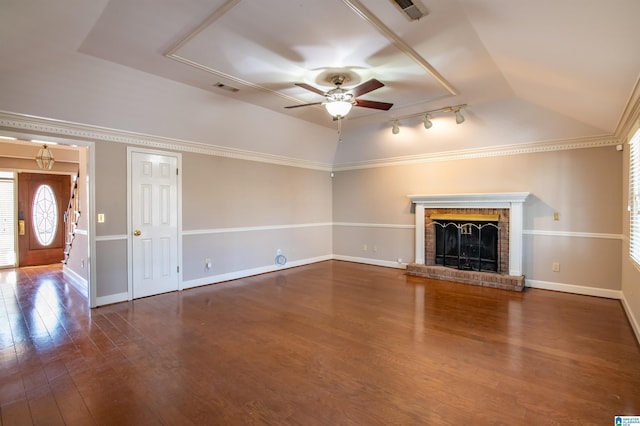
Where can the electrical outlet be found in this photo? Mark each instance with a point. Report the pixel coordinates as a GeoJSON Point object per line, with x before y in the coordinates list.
{"type": "Point", "coordinates": [556, 216]}
{"type": "Point", "coordinates": [364, 247]}
{"type": "Point", "coordinates": [82, 263]}
{"type": "Point", "coordinates": [555, 267]}
{"type": "Point", "coordinates": [278, 252]}
{"type": "Point", "coordinates": [207, 263]}
{"type": "Point", "coordinates": [100, 217]}
{"type": "Point", "coordinates": [375, 249]}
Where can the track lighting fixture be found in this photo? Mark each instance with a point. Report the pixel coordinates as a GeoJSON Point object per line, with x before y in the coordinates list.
{"type": "Point", "coordinates": [426, 121]}
{"type": "Point", "coordinates": [395, 129]}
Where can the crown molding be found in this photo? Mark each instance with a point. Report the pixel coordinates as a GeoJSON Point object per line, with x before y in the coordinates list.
{"type": "Point", "coordinates": [22, 123]}
{"type": "Point", "coordinates": [630, 117]}
{"type": "Point", "coordinates": [496, 151]}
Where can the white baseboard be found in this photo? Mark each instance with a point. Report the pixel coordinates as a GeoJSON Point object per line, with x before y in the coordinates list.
{"type": "Point", "coordinates": [632, 320]}
{"type": "Point", "coordinates": [213, 279]}
{"type": "Point", "coordinates": [572, 288]}
{"type": "Point", "coordinates": [78, 281]}
{"type": "Point", "coordinates": [112, 298]}
{"type": "Point", "coordinates": [369, 261]}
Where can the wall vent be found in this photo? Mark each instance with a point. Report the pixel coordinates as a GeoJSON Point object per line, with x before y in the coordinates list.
{"type": "Point", "coordinates": [226, 87]}
{"type": "Point", "coordinates": [411, 9]}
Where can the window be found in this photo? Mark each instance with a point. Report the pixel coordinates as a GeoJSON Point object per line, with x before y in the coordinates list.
{"type": "Point", "coordinates": [7, 220]}
{"type": "Point", "coordinates": [45, 215]}
{"type": "Point", "coordinates": [634, 198]}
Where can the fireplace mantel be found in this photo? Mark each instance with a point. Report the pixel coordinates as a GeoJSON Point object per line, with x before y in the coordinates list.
{"type": "Point", "coordinates": [514, 201]}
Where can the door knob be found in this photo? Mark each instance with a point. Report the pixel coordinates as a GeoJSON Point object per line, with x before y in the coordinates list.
{"type": "Point", "coordinates": [137, 233]}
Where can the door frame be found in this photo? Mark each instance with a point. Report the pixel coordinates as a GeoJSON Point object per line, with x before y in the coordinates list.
{"type": "Point", "coordinates": [130, 151]}
{"type": "Point", "coordinates": [89, 204]}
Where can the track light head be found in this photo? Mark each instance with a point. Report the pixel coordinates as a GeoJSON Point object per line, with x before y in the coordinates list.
{"type": "Point", "coordinates": [427, 121]}
{"type": "Point", "coordinates": [395, 129]}
{"type": "Point", "coordinates": [459, 117]}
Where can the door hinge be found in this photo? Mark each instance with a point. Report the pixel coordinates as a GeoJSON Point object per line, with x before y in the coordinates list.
{"type": "Point", "coordinates": [178, 269]}
{"type": "Point", "coordinates": [176, 171]}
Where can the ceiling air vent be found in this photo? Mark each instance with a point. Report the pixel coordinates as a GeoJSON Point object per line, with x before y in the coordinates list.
{"type": "Point", "coordinates": [412, 9]}
{"type": "Point", "coordinates": [226, 87]}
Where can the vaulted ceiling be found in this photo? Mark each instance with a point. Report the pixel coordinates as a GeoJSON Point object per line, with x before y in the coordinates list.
{"type": "Point", "coordinates": [528, 71]}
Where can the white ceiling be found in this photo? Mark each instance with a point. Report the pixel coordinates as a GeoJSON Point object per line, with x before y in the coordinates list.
{"type": "Point", "coordinates": [575, 57]}
{"type": "Point", "coordinates": [529, 70]}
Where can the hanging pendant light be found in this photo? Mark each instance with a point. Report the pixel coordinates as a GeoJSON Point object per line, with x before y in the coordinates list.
{"type": "Point", "coordinates": [45, 159]}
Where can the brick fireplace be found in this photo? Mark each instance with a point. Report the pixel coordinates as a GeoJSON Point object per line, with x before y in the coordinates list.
{"type": "Point", "coordinates": [507, 207]}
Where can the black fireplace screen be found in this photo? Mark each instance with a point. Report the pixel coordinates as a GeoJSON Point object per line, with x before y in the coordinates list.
{"type": "Point", "coordinates": [467, 245]}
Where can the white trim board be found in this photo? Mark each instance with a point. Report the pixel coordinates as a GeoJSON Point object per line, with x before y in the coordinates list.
{"type": "Point", "coordinates": [253, 228]}
{"type": "Point", "coordinates": [369, 261]}
{"type": "Point", "coordinates": [116, 237]}
{"type": "Point", "coordinates": [79, 282]}
{"type": "Point", "coordinates": [111, 237]}
{"type": "Point", "coordinates": [374, 225]}
{"type": "Point", "coordinates": [574, 289]}
{"type": "Point", "coordinates": [214, 279]}
{"type": "Point", "coordinates": [111, 299]}
{"type": "Point", "coordinates": [573, 234]}
{"type": "Point", "coordinates": [632, 320]}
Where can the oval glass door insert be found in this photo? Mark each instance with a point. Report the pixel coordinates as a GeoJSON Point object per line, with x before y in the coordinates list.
{"type": "Point", "coordinates": [45, 215]}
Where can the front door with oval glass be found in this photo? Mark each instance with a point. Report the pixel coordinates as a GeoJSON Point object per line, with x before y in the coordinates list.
{"type": "Point", "coordinates": [42, 200]}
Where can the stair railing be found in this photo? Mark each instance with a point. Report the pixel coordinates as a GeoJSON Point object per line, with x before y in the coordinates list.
{"type": "Point", "coordinates": [71, 218]}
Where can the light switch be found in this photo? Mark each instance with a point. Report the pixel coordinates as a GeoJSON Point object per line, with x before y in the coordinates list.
{"type": "Point", "coordinates": [100, 217]}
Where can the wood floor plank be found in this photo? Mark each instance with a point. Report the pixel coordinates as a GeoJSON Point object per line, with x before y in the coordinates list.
{"type": "Point", "coordinates": [16, 413]}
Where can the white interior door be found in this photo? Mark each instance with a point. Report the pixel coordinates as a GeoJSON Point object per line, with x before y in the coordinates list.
{"type": "Point", "coordinates": [154, 223]}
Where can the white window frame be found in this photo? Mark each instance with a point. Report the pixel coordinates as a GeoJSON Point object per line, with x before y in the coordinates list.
{"type": "Point", "coordinates": [8, 216]}
{"type": "Point", "coordinates": [634, 198]}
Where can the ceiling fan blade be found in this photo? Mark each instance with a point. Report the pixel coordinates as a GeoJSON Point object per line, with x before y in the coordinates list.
{"type": "Point", "coordinates": [373, 104]}
{"type": "Point", "coordinates": [302, 105]}
{"type": "Point", "coordinates": [310, 88]}
{"type": "Point", "coordinates": [366, 87]}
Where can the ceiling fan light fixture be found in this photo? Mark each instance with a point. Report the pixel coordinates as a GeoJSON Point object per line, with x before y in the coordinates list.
{"type": "Point", "coordinates": [459, 117]}
{"type": "Point", "coordinates": [427, 121]}
{"type": "Point", "coordinates": [395, 129]}
{"type": "Point", "coordinates": [338, 109]}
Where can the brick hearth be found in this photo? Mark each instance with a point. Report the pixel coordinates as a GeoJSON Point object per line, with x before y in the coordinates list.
{"type": "Point", "coordinates": [485, 279]}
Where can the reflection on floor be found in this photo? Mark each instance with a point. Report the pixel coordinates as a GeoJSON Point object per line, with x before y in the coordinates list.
{"type": "Point", "coordinates": [39, 314]}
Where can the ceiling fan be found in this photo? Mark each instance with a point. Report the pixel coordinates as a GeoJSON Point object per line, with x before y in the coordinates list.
{"type": "Point", "coordinates": [339, 101]}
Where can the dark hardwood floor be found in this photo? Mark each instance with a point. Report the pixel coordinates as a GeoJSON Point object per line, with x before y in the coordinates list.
{"type": "Point", "coordinates": [325, 344]}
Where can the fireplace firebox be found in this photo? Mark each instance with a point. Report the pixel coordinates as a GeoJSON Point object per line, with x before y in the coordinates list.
{"type": "Point", "coordinates": [467, 243]}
